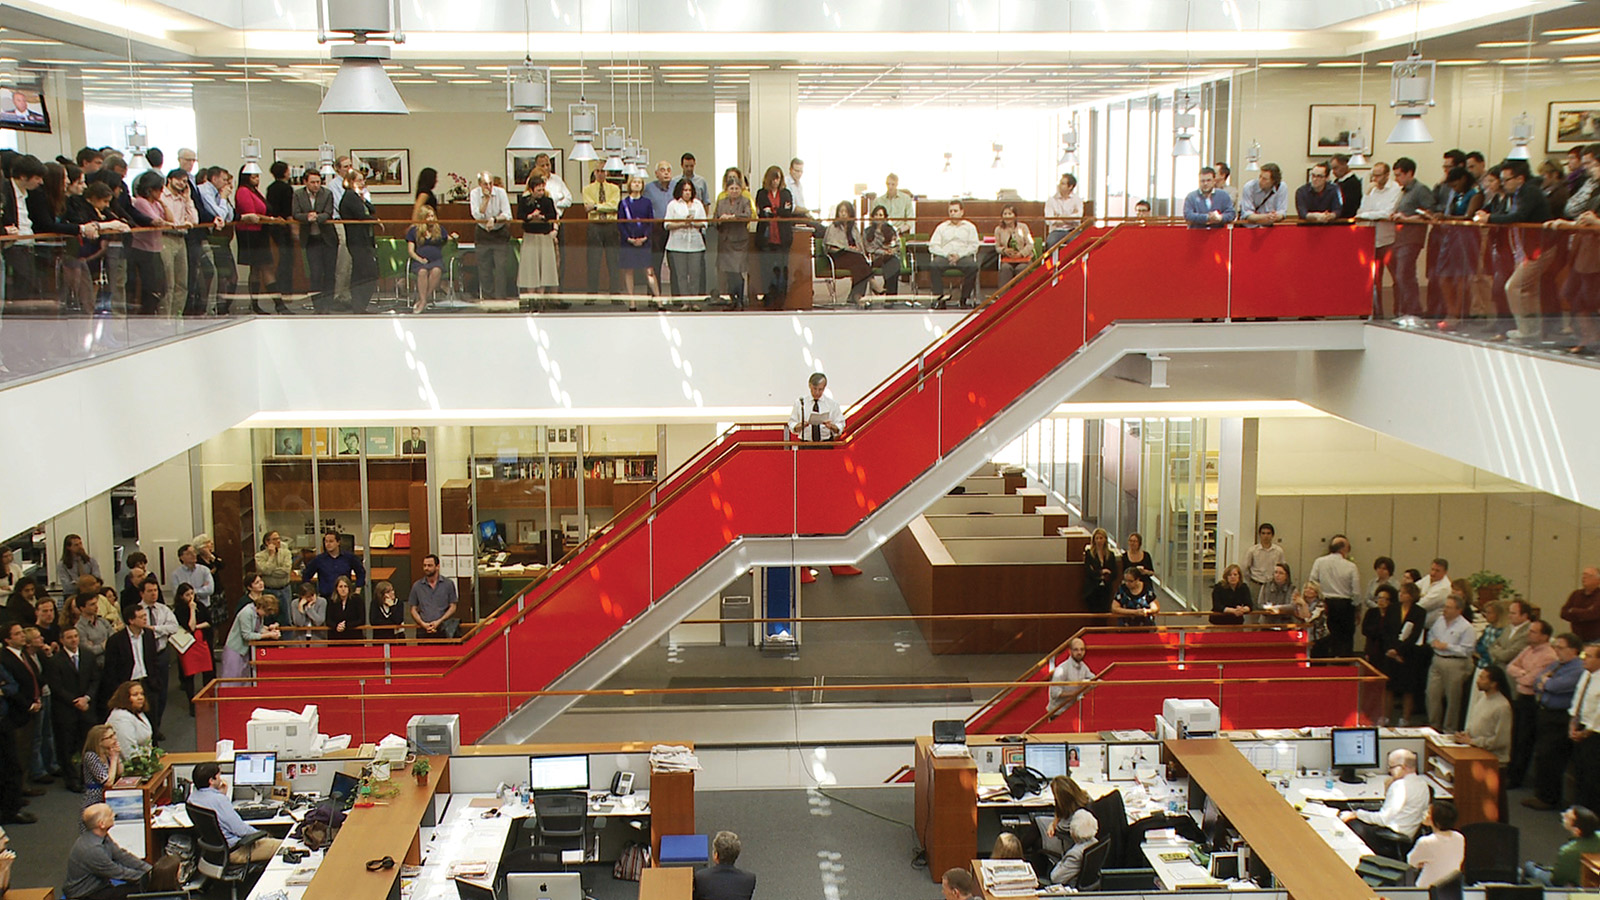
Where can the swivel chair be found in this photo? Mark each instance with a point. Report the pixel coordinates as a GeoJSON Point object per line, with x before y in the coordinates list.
{"type": "Point", "coordinates": [213, 860]}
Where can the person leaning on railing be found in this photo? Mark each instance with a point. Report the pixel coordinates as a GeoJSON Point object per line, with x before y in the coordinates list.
{"type": "Point", "coordinates": [1581, 289]}
{"type": "Point", "coordinates": [1264, 201]}
{"type": "Point", "coordinates": [1411, 215]}
{"type": "Point", "coordinates": [1527, 205]}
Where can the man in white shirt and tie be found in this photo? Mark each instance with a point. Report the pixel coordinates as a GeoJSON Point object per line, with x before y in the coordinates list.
{"type": "Point", "coordinates": [163, 622]}
{"type": "Point", "coordinates": [491, 209]}
{"type": "Point", "coordinates": [817, 418]}
{"type": "Point", "coordinates": [1585, 722]}
{"type": "Point", "coordinates": [1405, 802]}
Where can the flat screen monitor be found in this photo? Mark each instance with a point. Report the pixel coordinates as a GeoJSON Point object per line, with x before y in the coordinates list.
{"type": "Point", "coordinates": [255, 769]}
{"type": "Point", "coordinates": [558, 773]}
{"type": "Point", "coordinates": [344, 787]}
{"type": "Point", "coordinates": [544, 886]}
{"type": "Point", "coordinates": [1259, 874]}
{"type": "Point", "coordinates": [1049, 759]}
{"type": "Point", "coordinates": [1225, 866]}
{"type": "Point", "coordinates": [472, 890]}
{"type": "Point", "coordinates": [1354, 748]}
{"type": "Point", "coordinates": [23, 109]}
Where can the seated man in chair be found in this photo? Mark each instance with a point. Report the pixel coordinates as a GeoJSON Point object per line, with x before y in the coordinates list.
{"type": "Point", "coordinates": [97, 868]}
{"type": "Point", "coordinates": [723, 880]}
{"type": "Point", "coordinates": [1391, 830]}
{"type": "Point", "coordinates": [245, 844]}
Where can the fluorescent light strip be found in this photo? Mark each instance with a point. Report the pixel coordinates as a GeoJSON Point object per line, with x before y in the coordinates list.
{"type": "Point", "coordinates": [1491, 45]}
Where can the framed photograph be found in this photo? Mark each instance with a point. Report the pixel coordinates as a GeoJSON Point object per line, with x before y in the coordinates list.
{"type": "Point", "coordinates": [349, 442]}
{"type": "Point", "coordinates": [300, 161]}
{"type": "Point", "coordinates": [483, 470]}
{"type": "Point", "coordinates": [1331, 127]}
{"type": "Point", "coordinates": [380, 442]}
{"type": "Point", "coordinates": [288, 442]}
{"type": "Point", "coordinates": [527, 531]}
{"type": "Point", "coordinates": [1573, 123]}
{"type": "Point", "coordinates": [519, 163]}
{"type": "Point", "coordinates": [387, 171]}
{"type": "Point", "coordinates": [414, 444]}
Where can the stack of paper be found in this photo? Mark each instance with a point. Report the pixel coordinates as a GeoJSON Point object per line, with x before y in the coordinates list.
{"type": "Point", "coordinates": [992, 785]}
{"type": "Point", "coordinates": [673, 758]}
{"type": "Point", "coordinates": [1008, 878]}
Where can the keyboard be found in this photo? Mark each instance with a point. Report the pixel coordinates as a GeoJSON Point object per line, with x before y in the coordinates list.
{"type": "Point", "coordinates": [1367, 805]}
{"type": "Point", "coordinates": [253, 813]}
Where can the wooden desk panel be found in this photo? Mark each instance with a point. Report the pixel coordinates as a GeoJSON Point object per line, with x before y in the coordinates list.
{"type": "Point", "coordinates": [673, 883]}
{"type": "Point", "coordinates": [376, 832]}
{"type": "Point", "coordinates": [1476, 785]}
{"type": "Point", "coordinates": [946, 794]}
{"type": "Point", "coordinates": [1303, 863]}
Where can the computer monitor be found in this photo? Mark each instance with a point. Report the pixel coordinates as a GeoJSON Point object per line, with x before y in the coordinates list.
{"type": "Point", "coordinates": [255, 770]}
{"type": "Point", "coordinates": [344, 788]}
{"type": "Point", "coordinates": [490, 537]}
{"type": "Point", "coordinates": [1225, 866]}
{"type": "Point", "coordinates": [1049, 759]}
{"type": "Point", "coordinates": [559, 773]}
{"type": "Point", "coordinates": [472, 890]}
{"type": "Point", "coordinates": [1354, 748]}
{"type": "Point", "coordinates": [544, 886]}
{"type": "Point", "coordinates": [1259, 874]}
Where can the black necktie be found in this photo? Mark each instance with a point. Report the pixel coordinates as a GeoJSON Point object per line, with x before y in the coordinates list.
{"type": "Point", "coordinates": [816, 430]}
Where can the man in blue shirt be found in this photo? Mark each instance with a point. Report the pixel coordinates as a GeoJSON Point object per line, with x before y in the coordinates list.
{"type": "Point", "coordinates": [190, 572]}
{"type": "Point", "coordinates": [245, 844]}
{"type": "Point", "coordinates": [659, 193]}
{"type": "Point", "coordinates": [326, 567]}
{"type": "Point", "coordinates": [1552, 748]}
{"type": "Point", "coordinates": [1207, 207]}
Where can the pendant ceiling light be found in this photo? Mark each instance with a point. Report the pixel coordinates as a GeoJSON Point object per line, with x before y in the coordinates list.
{"type": "Point", "coordinates": [612, 138]}
{"type": "Point", "coordinates": [998, 148]}
{"type": "Point", "coordinates": [1069, 143]}
{"type": "Point", "coordinates": [361, 85]}
{"type": "Point", "coordinates": [583, 117]}
{"type": "Point", "coordinates": [1410, 95]}
{"type": "Point", "coordinates": [135, 136]}
{"type": "Point", "coordinates": [249, 145]}
{"type": "Point", "coordinates": [1252, 157]}
{"type": "Point", "coordinates": [325, 156]}
{"type": "Point", "coordinates": [528, 100]}
{"type": "Point", "coordinates": [1358, 137]}
{"type": "Point", "coordinates": [1522, 125]}
{"type": "Point", "coordinates": [1184, 119]}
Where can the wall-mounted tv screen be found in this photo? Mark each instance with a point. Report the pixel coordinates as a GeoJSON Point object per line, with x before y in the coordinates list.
{"type": "Point", "coordinates": [23, 109]}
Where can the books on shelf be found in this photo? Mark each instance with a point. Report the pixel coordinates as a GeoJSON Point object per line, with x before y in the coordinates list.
{"type": "Point", "coordinates": [629, 468]}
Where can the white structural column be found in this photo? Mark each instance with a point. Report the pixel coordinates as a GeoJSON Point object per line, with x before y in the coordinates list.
{"type": "Point", "coordinates": [774, 114]}
{"type": "Point", "coordinates": [1236, 489]}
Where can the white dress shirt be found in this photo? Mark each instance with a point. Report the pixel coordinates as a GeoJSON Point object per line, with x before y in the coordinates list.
{"type": "Point", "coordinates": [218, 205]}
{"type": "Point", "coordinates": [492, 213]}
{"type": "Point", "coordinates": [801, 413]}
{"type": "Point", "coordinates": [1404, 804]}
{"type": "Point", "coordinates": [24, 221]}
{"type": "Point", "coordinates": [1376, 206]}
{"type": "Point", "coordinates": [1068, 671]}
{"type": "Point", "coordinates": [1259, 562]}
{"type": "Point", "coordinates": [1063, 213]}
{"type": "Point", "coordinates": [164, 622]}
{"type": "Point", "coordinates": [556, 189]}
{"type": "Point", "coordinates": [136, 641]}
{"type": "Point", "coordinates": [1585, 709]}
{"type": "Point", "coordinates": [956, 239]}
{"type": "Point", "coordinates": [1337, 576]}
{"type": "Point", "coordinates": [793, 184]}
{"type": "Point", "coordinates": [1434, 593]}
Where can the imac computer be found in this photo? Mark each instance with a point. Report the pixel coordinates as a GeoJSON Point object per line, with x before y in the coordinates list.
{"type": "Point", "coordinates": [255, 770]}
{"type": "Point", "coordinates": [543, 886]}
{"type": "Point", "coordinates": [558, 773]}
{"type": "Point", "coordinates": [1049, 760]}
{"type": "Point", "coordinates": [1353, 749]}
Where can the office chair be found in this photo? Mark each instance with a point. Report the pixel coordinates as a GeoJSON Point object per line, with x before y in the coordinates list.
{"type": "Point", "coordinates": [1127, 879]}
{"type": "Point", "coordinates": [1094, 860]}
{"type": "Point", "coordinates": [559, 819]}
{"type": "Point", "coordinates": [536, 858]}
{"type": "Point", "coordinates": [1492, 853]}
{"type": "Point", "coordinates": [1446, 890]}
{"type": "Point", "coordinates": [212, 848]}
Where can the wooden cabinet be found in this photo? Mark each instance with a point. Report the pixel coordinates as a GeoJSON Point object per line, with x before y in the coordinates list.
{"type": "Point", "coordinates": [671, 806]}
{"type": "Point", "coordinates": [1554, 554]}
{"type": "Point", "coordinates": [1474, 780]}
{"type": "Point", "coordinates": [1507, 545]}
{"type": "Point", "coordinates": [233, 528]}
{"type": "Point", "coordinates": [1321, 519]}
{"type": "Point", "coordinates": [946, 806]}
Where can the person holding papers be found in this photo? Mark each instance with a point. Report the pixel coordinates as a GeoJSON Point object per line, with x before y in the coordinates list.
{"type": "Point", "coordinates": [818, 418]}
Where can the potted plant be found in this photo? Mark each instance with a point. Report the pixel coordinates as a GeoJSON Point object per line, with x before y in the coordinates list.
{"type": "Point", "coordinates": [421, 768]}
{"type": "Point", "coordinates": [143, 762]}
{"type": "Point", "coordinates": [1489, 585]}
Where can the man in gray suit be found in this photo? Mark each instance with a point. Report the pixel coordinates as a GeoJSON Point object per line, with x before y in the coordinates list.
{"type": "Point", "coordinates": [313, 209]}
{"type": "Point", "coordinates": [723, 880]}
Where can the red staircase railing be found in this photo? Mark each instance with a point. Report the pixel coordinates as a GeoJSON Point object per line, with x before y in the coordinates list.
{"type": "Point", "coordinates": [744, 484]}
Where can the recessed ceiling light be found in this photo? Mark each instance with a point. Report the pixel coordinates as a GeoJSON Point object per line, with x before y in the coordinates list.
{"type": "Point", "coordinates": [1462, 62]}
{"type": "Point", "coordinates": [618, 67]}
{"type": "Point", "coordinates": [682, 67]}
{"type": "Point", "coordinates": [32, 42]}
{"type": "Point", "coordinates": [1534, 61]}
{"type": "Point", "coordinates": [1569, 31]}
{"type": "Point", "coordinates": [441, 68]}
{"type": "Point", "coordinates": [250, 80]}
{"type": "Point", "coordinates": [1339, 64]}
{"type": "Point", "coordinates": [1591, 57]}
{"type": "Point", "coordinates": [1489, 45]}
{"type": "Point", "coordinates": [746, 66]}
{"type": "Point", "coordinates": [474, 81]}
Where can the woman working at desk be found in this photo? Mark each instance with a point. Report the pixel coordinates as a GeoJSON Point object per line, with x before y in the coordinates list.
{"type": "Point", "coordinates": [1083, 829]}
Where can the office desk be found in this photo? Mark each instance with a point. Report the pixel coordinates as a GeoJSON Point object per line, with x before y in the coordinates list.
{"type": "Point", "coordinates": [675, 883]}
{"type": "Point", "coordinates": [1172, 872]}
{"type": "Point", "coordinates": [1474, 779]}
{"type": "Point", "coordinates": [1296, 854]}
{"type": "Point", "coordinates": [375, 832]}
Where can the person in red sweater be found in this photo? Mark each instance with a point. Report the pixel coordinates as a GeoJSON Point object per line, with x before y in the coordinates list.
{"type": "Point", "coordinates": [1582, 608]}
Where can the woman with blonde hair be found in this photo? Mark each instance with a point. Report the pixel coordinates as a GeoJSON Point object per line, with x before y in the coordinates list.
{"type": "Point", "coordinates": [634, 213]}
{"type": "Point", "coordinates": [1102, 571]}
{"type": "Point", "coordinates": [102, 763]}
{"type": "Point", "coordinates": [425, 242]}
{"type": "Point", "coordinates": [1311, 611]}
{"type": "Point", "coordinates": [247, 627]}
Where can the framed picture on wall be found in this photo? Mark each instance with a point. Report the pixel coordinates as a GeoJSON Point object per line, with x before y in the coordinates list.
{"type": "Point", "coordinates": [288, 442]}
{"type": "Point", "coordinates": [387, 171]}
{"type": "Point", "coordinates": [380, 442]}
{"type": "Point", "coordinates": [1573, 123]}
{"type": "Point", "coordinates": [300, 161]}
{"type": "Point", "coordinates": [519, 164]}
{"type": "Point", "coordinates": [414, 444]}
{"type": "Point", "coordinates": [349, 442]}
{"type": "Point", "coordinates": [1331, 127]}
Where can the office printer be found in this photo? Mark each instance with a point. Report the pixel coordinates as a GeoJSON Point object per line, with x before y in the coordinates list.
{"type": "Point", "coordinates": [1188, 718]}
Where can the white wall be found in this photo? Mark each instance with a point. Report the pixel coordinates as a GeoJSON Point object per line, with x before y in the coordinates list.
{"type": "Point", "coordinates": [1326, 455]}
{"type": "Point", "coordinates": [166, 516]}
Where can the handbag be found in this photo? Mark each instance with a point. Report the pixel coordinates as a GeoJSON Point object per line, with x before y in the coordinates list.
{"type": "Point", "coordinates": [1022, 781]}
{"type": "Point", "coordinates": [196, 659]}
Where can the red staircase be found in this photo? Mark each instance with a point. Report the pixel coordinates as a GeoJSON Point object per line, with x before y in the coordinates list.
{"type": "Point", "coordinates": [740, 486]}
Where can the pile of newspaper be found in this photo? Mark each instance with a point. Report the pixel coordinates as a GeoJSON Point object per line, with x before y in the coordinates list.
{"type": "Point", "coordinates": [673, 758]}
{"type": "Point", "coordinates": [1009, 878]}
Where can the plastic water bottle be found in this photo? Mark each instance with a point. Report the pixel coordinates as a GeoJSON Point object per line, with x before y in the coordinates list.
{"type": "Point", "coordinates": [1327, 783]}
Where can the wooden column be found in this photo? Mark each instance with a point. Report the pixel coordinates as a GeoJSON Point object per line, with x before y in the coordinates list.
{"type": "Point", "coordinates": [671, 807]}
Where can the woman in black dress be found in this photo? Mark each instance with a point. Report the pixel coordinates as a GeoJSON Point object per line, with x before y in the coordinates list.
{"type": "Point", "coordinates": [345, 615]}
{"type": "Point", "coordinates": [1230, 598]}
{"type": "Point", "coordinates": [388, 613]}
{"type": "Point", "coordinates": [1101, 573]}
{"type": "Point", "coordinates": [1408, 651]}
{"type": "Point", "coordinates": [773, 236]}
{"type": "Point", "coordinates": [1380, 626]}
{"type": "Point", "coordinates": [1135, 558]}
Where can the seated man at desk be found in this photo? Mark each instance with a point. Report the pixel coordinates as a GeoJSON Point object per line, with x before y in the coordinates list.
{"type": "Point", "coordinates": [1406, 796]}
{"type": "Point", "coordinates": [723, 880]}
{"type": "Point", "coordinates": [958, 884]}
{"type": "Point", "coordinates": [98, 869]}
{"type": "Point", "coordinates": [214, 796]}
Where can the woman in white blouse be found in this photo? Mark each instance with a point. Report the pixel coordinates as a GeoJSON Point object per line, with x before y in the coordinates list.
{"type": "Point", "coordinates": [1438, 855]}
{"type": "Point", "coordinates": [686, 242]}
{"type": "Point", "coordinates": [128, 718]}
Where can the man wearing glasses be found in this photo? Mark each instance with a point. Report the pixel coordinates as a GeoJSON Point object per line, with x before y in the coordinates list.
{"type": "Point", "coordinates": [1406, 796]}
{"type": "Point", "coordinates": [1318, 201]}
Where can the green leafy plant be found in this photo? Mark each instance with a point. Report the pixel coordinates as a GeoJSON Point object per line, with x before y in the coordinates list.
{"type": "Point", "coordinates": [143, 764]}
{"type": "Point", "coordinates": [1485, 578]}
{"type": "Point", "coordinates": [421, 767]}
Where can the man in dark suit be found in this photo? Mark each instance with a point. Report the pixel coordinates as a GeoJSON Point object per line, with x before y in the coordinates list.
{"type": "Point", "coordinates": [355, 210]}
{"type": "Point", "coordinates": [11, 764]}
{"type": "Point", "coordinates": [414, 444]}
{"type": "Point", "coordinates": [122, 663]}
{"type": "Point", "coordinates": [23, 714]}
{"type": "Point", "coordinates": [74, 681]}
{"type": "Point", "coordinates": [17, 213]}
{"type": "Point", "coordinates": [724, 880]}
{"type": "Point", "coordinates": [313, 209]}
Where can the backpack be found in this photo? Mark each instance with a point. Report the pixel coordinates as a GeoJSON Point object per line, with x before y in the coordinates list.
{"type": "Point", "coordinates": [634, 859]}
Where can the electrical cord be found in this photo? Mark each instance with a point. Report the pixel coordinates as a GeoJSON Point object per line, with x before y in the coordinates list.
{"type": "Point", "coordinates": [919, 855]}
